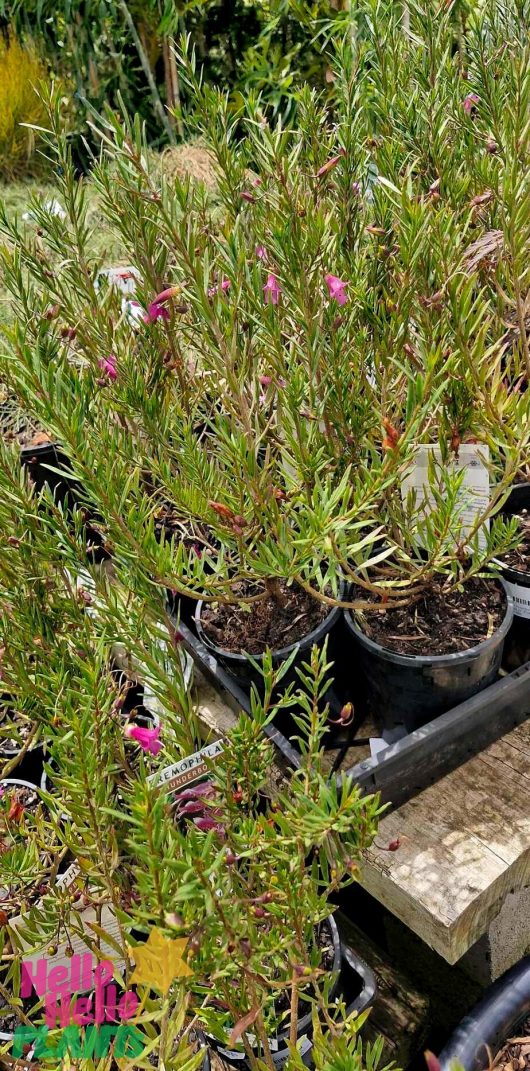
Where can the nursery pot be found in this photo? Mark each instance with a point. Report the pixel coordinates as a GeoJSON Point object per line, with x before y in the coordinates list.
{"type": "Point", "coordinates": [30, 766]}
{"type": "Point", "coordinates": [411, 690]}
{"type": "Point", "coordinates": [243, 671]}
{"type": "Point", "coordinates": [278, 1045]}
{"type": "Point", "coordinates": [42, 462]}
{"type": "Point", "coordinates": [518, 585]}
{"type": "Point", "coordinates": [496, 1018]}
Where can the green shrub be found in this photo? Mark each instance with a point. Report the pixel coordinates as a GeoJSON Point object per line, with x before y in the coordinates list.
{"type": "Point", "coordinates": [21, 70]}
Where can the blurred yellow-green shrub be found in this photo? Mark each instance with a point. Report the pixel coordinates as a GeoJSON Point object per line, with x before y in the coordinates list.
{"type": "Point", "coordinates": [21, 70]}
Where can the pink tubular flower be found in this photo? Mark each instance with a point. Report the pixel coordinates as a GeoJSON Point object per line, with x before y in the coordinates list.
{"type": "Point", "coordinates": [156, 311]}
{"type": "Point", "coordinates": [261, 252]}
{"type": "Point", "coordinates": [272, 290]}
{"type": "Point", "coordinates": [337, 288]}
{"type": "Point", "coordinates": [108, 366]}
{"type": "Point", "coordinates": [247, 196]}
{"type": "Point", "coordinates": [330, 164]}
{"type": "Point", "coordinates": [469, 102]}
{"type": "Point", "coordinates": [224, 286]}
{"type": "Point", "coordinates": [148, 739]}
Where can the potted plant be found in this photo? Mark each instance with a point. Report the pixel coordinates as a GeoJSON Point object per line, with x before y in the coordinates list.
{"type": "Point", "coordinates": [440, 615]}
{"type": "Point", "coordinates": [264, 952]}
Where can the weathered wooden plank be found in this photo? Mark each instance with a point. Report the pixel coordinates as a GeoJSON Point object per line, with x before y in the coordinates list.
{"type": "Point", "coordinates": [465, 843]}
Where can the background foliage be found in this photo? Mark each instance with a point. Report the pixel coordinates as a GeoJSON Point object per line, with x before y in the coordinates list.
{"type": "Point", "coordinates": [107, 52]}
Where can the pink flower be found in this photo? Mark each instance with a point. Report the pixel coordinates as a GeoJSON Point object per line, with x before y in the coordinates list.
{"type": "Point", "coordinates": [148, 739]}
{"type": "Point", "coordinates": [272, 290]}
{"type": "Point", "coordinates": [265, 381]}
{"type": "Point", "coordinates": [261, 252]}
{"type": "Point", "coordinates": [246, 196]}
{"type": "Point", "coordinates": [469, 103]}
{"type": "Point", "coordinates": [336, 289]}
{"type": "Point", "coordinates": [156, 311]}
{"type": "Point", "coordinates": [224, 286]}
{"type": "Point", "coordinates": [330, 164]}
{"type": "Point", "coordinates": [207, 824]}
{"type": "Point", "coordinates": [108, 366]}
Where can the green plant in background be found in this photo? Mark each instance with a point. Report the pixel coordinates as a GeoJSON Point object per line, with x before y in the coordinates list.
{"type": "Point", "coordinates": [21, 108]}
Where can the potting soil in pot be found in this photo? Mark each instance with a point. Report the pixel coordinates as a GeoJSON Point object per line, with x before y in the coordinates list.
{"type": "Point", "coordinates": [14, 731]}
{"type": "Point", "coordinates": [515, 1056]}
{"type": "Point", "coordinates": [438, 624]}
{"type": "Point", "coordinates": [251, 628]}
{"type": "Point", "coordinates": [519, 558]}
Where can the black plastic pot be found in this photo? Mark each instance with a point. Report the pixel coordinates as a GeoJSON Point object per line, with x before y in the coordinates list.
{"type": "Point", "coordinates": [484, 1031]}
{"type": "Point", "coordinates": [48, 466]}
{"type": "Point", "coordinates": [7, 781]}
{"type": "Point", "coordinates": [30, 768]}
{"type": "Point", "coordinates": [350, 971]}
{"type": "Point", "coordinates": [518, 585]}
{"type": "Point", "coordinates": [243, 671]}
{"type": "Point", "coordinates": [411, 690]}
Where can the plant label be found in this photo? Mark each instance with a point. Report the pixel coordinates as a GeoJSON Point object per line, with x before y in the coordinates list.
{"type": "Point", "coordinates": [74, 957]}
{"type": "Point", "coordinates": [521, 599]}
{"type": "Point", "coordinates": [123, 279]}
{"type": "Point", "coordinates": [473, 494]}
{"type": "Point", "coordinates": [187, 771]}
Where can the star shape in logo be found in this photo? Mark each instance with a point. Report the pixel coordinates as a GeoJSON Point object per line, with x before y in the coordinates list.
{"type": "Point", "coordinates": [159, 961]}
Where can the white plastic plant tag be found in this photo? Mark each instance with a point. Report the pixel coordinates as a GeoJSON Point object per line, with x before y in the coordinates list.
{"type": "Point", "coordinates": [53, 207]}
{"type": "Point", "coordinates": [80, 962]}
{"type": "Point", "coordinates": [124, 279]}
{"type": "Point", "coordinates": [133, 312]}
{"type": "Point", "coordinates": [377, 745]}
{"type": "Point", "coordinates": [521, 599]}
{"type": "Point", "coordinates": [187, 771]}
{"type": "Point", "coordinates": [474, 494]}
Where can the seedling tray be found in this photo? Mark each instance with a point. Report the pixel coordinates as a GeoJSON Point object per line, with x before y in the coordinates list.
{"type": "Point", "coordinates": [405, 768]}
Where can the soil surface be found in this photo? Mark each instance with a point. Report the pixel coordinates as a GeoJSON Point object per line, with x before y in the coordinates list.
{"type": "Point", "coordinates": [169, 521]}
{"type": "Point", "coordinates": [519, 558]}
{"type": "Point", "coordinates": [515, 1056]}
{"type": "Point", "coordinates": [28, 798]}
{"type": "Point", "coordinates": [16, 426]}
{"type": "Point", "coordinates": [14, 731]}
{"type": "Point", "coordinates": [439, 624]}
{"type": "Point", "coordinates": [252, 627]}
